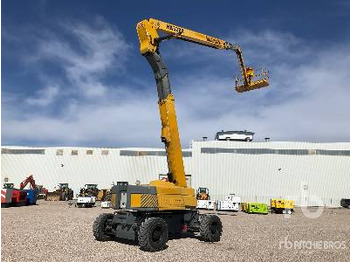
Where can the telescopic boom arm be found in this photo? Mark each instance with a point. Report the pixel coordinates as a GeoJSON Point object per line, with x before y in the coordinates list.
{"type": "Point", "coordinates": [150, 39]}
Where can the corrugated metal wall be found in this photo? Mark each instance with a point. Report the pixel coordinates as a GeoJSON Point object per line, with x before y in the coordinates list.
{"type": "Point", "coordinates": [282, 170]}
{"type": "Point", "coordinates": [256, 171]}
{"type": "Point", "coordinates": [103, 167]}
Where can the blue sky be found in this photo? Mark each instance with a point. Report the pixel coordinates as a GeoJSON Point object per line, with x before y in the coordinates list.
{"type": "Point", "coordinates": [72, 73]}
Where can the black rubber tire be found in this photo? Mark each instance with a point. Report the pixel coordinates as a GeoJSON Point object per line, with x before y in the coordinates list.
{"type": "Point", "coordinates": [210, 228]}
{"type": "Point", "coordinates": [99, 227]}
{"type": "Point", "coordinates": [153, 234]}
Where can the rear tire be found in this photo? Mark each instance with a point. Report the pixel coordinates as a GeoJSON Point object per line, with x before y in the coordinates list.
{"type": "Point", "coordinates": [153, 234]}
{"type": "Point", "coordinates": [210, 228]}
{"type": "Point", "coordinates": [100, 226]}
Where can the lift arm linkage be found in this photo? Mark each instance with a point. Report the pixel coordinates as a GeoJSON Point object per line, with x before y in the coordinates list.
{"type": "Point", "coordinates": [29, 179]}
{"type": "Point", "coordinates": [149, 38]}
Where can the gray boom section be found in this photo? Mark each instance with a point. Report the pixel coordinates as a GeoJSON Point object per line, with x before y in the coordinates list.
{"type": "Point", "coordinates": [161, 74]}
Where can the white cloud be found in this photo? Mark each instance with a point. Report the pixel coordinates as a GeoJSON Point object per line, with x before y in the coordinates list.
{"type": "Point", "coordinates": [101, 47]}
{"type": "Point", "coordinates": [44, 96]}
{"type": "Point", "coordinates": [307, 100]}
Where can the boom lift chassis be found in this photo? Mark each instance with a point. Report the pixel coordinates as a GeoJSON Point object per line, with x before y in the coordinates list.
{"type": "Point", "coordinates": [149, 214]}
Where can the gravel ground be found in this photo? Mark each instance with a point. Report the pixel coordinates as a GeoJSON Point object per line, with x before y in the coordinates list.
{"type": "Point", "coordinates": [54, 231]}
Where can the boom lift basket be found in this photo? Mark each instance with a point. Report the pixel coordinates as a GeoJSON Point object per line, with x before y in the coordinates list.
{"type": "Point", "coordinates": [253, 80]}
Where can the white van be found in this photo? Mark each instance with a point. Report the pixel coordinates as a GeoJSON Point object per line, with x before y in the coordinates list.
{"type": "Point", "coordinates": [235, 135]}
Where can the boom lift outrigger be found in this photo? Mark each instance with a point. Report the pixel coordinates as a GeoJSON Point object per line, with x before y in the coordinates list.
{"type": "Point", "coordinates": [149, 213]}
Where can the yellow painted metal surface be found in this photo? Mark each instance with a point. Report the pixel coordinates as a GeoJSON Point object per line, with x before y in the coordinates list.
{"type": "Point", "coordinates": [172, 197]}
{"type": "Point", "coordinates": [170, 134]}
{"type": "Point", "coordinates": [176, 195]}
{"type": "Point", "coordinates": [273, 202]}
{"type": "Point", "coordinates": [147, 37]}
{"type": "Point", "coordinates": [149, 201]}
{"type": "Point", "coordinates": [244, 207]}
{"type": "Point", "coordinates": [187, 34]}
{"type": "Point", "coordinates": [135, 200]}
{"type": "Point", "coordinates": [143, 200]}
{"type": "Point", "coordinates": [114, 199]}
{"type": "Point", "coordinates": [147, 31]}
{"type": "Point", "coordinates": [282, 203]}
{"type": "Point", "coordinates": [170, 202]}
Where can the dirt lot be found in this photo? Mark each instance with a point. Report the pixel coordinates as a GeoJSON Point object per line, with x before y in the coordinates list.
{"type": "Point", "coordinates": [54, 231]}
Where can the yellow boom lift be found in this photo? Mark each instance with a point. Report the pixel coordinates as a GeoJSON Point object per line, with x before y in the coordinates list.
{"type": "Point", "coordinates": [148, 214]}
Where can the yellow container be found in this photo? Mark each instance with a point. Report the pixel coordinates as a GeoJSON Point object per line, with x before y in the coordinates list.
{"type": "Point", "coordinates": [244, 207]}
{"type": "Point", "coordinates": [281, 205]}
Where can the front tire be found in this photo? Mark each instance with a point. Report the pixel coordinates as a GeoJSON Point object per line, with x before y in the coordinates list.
{"type": "Point", "coordinates": [100, 227]}
{"type": "Point", "coordinates": [210, 228]}
{"type": "Point", "coordinates": [153, 234]}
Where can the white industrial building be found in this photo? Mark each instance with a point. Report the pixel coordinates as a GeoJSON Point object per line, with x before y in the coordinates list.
{"type": "Point", "coordinates": [310, 173]}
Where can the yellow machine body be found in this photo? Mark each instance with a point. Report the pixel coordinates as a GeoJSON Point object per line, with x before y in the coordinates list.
{"type": "Point", "coordinates": [174, 194]}
{"type": "Point", "coordinates": [282, 203]}
{"type": "Point", "coordinates": [156, 196]}
{"type": "Point", "coordinates": [282, 206]}
{"type": "Point", "coordinates": [168, 197]}
{"type": "Point", "coordinates": [150, 213]}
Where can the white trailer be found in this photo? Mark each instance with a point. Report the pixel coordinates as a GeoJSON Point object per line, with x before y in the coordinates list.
{"type": "Point", "coordinates": [230, 203]}
{"type": "Point", "coordinates": [206, 204]}
{"type": "Point", "coordinates": [106, 204]}
{"type": "Point", "coordinates": [86, 201]}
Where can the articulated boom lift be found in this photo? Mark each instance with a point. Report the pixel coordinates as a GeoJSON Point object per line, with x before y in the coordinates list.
{"type": "Point", "coordinates": [150, 213]}
{"type": "Point", "coordinates": [29, 180]}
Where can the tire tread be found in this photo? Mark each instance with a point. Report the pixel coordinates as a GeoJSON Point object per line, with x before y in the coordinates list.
{"type": "Point", "coordinates": [98, 227]}
{"type": "Point", "coordinates": [205, 232]}
{"type": "Point", "coordinates": [143, 234]}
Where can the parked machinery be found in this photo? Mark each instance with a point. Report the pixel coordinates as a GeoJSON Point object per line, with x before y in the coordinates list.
{"type": "Point", "coordinates": [86, 201]}
{"type": "Point", "coordinates": [106, 204]}
{"type": "Point", "coordinates": [203, 199]}
{"type": "Point", "coordinates": [345, 202]}
{"type": "Point", "coordinates": [6, 194]}
{"type": "Point", "coordinates": [32, 192]}
{"type": "Point", "coordinates": [19, 197]}
{"type": "Point", "coordinates": [104, 195]}
{"type": "Point", "coordinates": [149, 213]}
{"type": "Point", "coordinates": [203, 193]}
{"type": "Point", "coordinates": [230, 203]}
{"type": "Point", "coordinates": [89, 190]}
{"type": "Point", "coordinates": [10, 196]}
{"type": "Point", "coordinates": [41, 191]}
{"type": "Point", "coordinates": [281, 206]}
{"type": "Point", "coordinates": [62, 193]}
{"type": "Point", "coordinates": [87, 196]}
{"type": "Point", "coordinates": [255, 208]}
